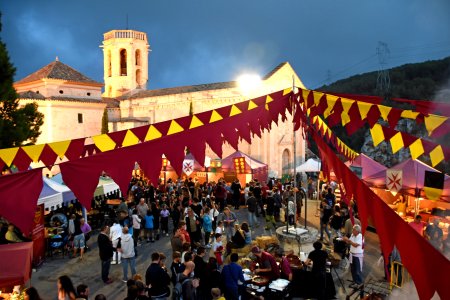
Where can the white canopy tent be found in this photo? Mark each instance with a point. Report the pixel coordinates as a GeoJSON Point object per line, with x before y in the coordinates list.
{"type": "Point", "coordinates": [311, 165]}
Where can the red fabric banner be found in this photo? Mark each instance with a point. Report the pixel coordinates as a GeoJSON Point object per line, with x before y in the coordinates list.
{"type": "Point", "coordinates": [19, 194]}
{"type": "Point", "coordinates": [427, 266]}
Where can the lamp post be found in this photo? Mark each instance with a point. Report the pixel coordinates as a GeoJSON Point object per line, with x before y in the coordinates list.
{"type": "Point", "coordinates": [207, 164]}
{"type": "Point", "coordinates": [164, 164]}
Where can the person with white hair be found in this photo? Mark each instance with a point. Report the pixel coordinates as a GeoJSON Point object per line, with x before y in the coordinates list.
{"type": "Point", "coordinates": [356, 242]}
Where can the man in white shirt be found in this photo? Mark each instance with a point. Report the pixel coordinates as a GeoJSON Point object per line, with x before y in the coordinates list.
{"type": "Point", "coordinates": [115, 234]}
{"type": "Point", "coordinates": [356, 242]}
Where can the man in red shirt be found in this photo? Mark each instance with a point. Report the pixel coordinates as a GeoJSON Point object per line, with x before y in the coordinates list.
{"type": "Point", "coordinates": [267, 264]}
{"type": "Point", "coordinates": [418, 225]}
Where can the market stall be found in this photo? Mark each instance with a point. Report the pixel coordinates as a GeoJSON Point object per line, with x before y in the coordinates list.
{"type": "Point", "coordinates": [15, 261]}
{"type": "Point", "coordinates": [251, 169]}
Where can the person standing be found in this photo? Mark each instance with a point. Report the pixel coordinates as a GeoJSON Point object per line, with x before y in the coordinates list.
{"type": "Point", "coordinates": [115, 234]}
{"type": "Point", "coordinates": [236, 188]}
{"type": "Point", "coordinates": [86, 229]}
{"type": "Point", "coordinates": [270, 210]}
{"type": "Point", "coordinates": [106, 251]}
{"type": "Point", "coordinates": [228, 218]}
{"type": "Point", "coordinates": [252, 208]}
{"type": "Point", "coordinates": [189, 286]}
{"type": "Point", "coordinates": [78, 238]}
{"type": "Point", "coordinates": [434, 234]}
{"type": "Point", "coordinates": [356, 242]}
{"type": "Point", "coordinates": [157, 278]}
{"type": "Point", "coordinates": [233, 278]}
{"type": "Point", "coordinates": [193, 227]}
{"type": "Point", "coordinates": [319, 259]}
{"type": "Point", "coordinates": [165, 220]}
{"type": "Point", "coordinates": [207, 227]}
{"type": "Point", "coordinates": [128, 254]}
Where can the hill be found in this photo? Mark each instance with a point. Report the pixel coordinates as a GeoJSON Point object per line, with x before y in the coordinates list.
{"type": "Point", "coordinates": [428, 80]}
{"type": "Point", "coordinates": [421, 81]}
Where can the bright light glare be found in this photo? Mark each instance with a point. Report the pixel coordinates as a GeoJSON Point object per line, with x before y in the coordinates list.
{"type": "Point", "coordinates": [249, 82]}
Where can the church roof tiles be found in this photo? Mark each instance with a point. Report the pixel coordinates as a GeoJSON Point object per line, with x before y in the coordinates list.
{"type": "Point", "coordinates": [58, 70]}
{"type": "Point", "coordinates": [182, 89]}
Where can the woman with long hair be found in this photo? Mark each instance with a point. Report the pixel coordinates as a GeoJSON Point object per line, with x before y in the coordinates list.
{"type": "Point", "coordinates": [31, 294]}
{"type": "Point", "coordinates": [66, 291]}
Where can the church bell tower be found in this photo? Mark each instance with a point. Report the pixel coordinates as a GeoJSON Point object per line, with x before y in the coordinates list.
{"type": "Point", "coordinates": [125, 57]}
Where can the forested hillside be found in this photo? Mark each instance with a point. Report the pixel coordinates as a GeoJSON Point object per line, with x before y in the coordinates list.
{"type": "Point", "coordinates": [422, 81]}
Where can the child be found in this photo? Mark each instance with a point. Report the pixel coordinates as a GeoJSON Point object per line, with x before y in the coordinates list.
{"type": "Point", "coordinates": [149, 226]}
{"type": "Point", "coordinates": [219, 228]}
{"type": "Point", "coordinates": [218, 248]}
{"type": "Point", "coordinates": [217, 294]}
{"type": "Point", "coordinates": [165, 220]}
{"type": "Point", "coordinates": [207, 227]}
{"type": "Point", "coordinates": [186, 249]}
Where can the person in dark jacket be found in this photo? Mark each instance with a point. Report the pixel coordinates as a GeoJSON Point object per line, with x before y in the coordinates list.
{"type": "Point", "coordinates": [158, 278]}
{"type": "Point", "coordinates": [232, 277]}
{"type": "Point", "coordinates": [105, 250]}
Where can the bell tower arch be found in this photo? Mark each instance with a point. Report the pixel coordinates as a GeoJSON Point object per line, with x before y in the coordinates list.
{"type": "Point", "coordinates": [125, 59]}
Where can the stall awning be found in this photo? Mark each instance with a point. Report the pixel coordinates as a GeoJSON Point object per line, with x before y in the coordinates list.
{"type": "Point", "coordinates": [16, 261]}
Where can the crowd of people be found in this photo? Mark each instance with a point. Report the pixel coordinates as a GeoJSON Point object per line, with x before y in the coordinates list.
{"type": "Point", "coordinates": [203, 220]}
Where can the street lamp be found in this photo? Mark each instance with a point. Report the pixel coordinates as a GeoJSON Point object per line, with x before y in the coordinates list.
{"type": "Point", "coordinates": [207, 164]}
{"type": "Point", "coordinates": [164, 164]}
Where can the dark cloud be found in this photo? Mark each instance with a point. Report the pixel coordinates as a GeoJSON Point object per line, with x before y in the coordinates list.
{"type": "Point", "coordinates": [211, 41]}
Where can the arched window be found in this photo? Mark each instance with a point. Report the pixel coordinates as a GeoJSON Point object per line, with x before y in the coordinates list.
{"type": "Point", "coordinates": [138, 57]}
{"type": "Point", "coordinates": [108, 63]}
{"type": "Point", "coordinates": [123, 62]}
{"type": "Point", "coordinates": [286, 162]}
{"type": "Point", "coordinates": [138, 77]}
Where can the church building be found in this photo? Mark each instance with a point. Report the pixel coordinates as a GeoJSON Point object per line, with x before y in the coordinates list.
{"type": "Point", "coordinates": [73, 104]}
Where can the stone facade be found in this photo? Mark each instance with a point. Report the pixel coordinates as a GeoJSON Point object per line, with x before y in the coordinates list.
{"type": "Point", "coordinates": [73, 105]}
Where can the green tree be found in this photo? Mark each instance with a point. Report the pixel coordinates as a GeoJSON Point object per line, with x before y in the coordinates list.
{"type": "Point", "coordinates": [17, 124]}
{"type": "Point", "coordinates": [105, 122]}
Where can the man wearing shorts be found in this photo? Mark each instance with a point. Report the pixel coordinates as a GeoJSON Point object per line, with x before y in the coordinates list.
{"type": "Point", "coordinates": [78, 239]}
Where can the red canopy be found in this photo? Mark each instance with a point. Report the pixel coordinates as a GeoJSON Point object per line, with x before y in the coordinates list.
{"type": "Point", "coordinates": [252, 166]}
{"type": "Point", "coordinates": [16, 260]}
{"type": "Point", "coordinates": [413, 176]}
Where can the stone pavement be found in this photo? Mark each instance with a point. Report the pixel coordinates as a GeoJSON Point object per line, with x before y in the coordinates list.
{"type": "Point", "coordinates": [87, 271]}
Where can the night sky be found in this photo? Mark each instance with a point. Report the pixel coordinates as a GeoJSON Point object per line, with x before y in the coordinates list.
{"type": "Point", "coordinates": [199, 41]}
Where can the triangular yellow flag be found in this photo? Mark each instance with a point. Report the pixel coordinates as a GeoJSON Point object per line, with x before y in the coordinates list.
{"type": "Point", "coordinates": [329, 132]}
{"type": "Point", "coordinates": [331, 101]}
{"type": "Point", "coordinates": [34, 151]}
{"type": "Point", "coordinates": [104, 142]}
{"type": "Point", "coordinates": [416, 149]}
{"type": "Point", "coordinates": [396, 142]}
{"type": "Point", "coordinates": [346, 104]}
{"type": "Point", "coordinates": [215, 116]}
{"type": "Point", "coordinates": [317, 96]}
{"type": "Point", "coordinates": [266, 106]}
{"type": "Point", "coordinates": [384, 111]}
{"type": "Point", "coordinates": [174, 128]}
{"type": "Point", "coordinates": [251, 105]}
{"type": "Point", "coordinates": [377, 134]}
{"type": "Point", "coordinates": [234, 111]}
{"type": "Point", "coordinates": [268, 99]}
{"type": "Point", "coordinates": [195, 122]}
{"type": "Point", "coordinates": [305, 94]}
{"type": "Point", "coordinates": [433, 121]}
{"type": "Point", "coordinates": [436, 155]}
{"type": "Point", "coordinates": [363, 109]}
{"type": "Point", "coordinates": [60, 148]}
{"type": "Point", "coordinates": [8, 155]}
{"type": "Point", "coordinates": [152, 133]}
{"type": "Point", "coordinates": [287, 91]}
{"type": "Point", "coordinates": [130, 139]}
{"type": "Point", "coordinates": [409, 114]}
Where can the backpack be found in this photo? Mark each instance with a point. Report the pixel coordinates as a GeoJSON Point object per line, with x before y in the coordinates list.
{"type": "Point", "coordinates": [177, 293]}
